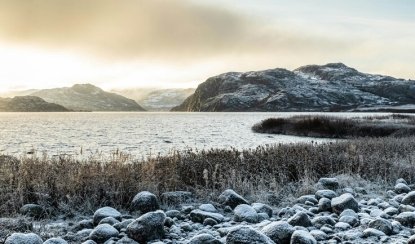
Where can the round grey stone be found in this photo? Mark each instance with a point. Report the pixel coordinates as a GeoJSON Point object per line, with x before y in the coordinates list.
{"type": "Point", "coordinates": [106, 212]}
{"type": "Point", "coordinates": [302, 237]}
{"type": "Point", "coordinates": [247, 235]}
{"type": "Point", "coordinates": [149, 226]}
{"type": "Point", "coordinates": [279, 231]}
{"type": "Point", "coordinates": [103, 232]}
{"type": "Point", "coordinates": [246, 213]}
{"type": "Point", "coordinates": [20, 238]}
{"type": "Point", "coordinates": [145, 202]}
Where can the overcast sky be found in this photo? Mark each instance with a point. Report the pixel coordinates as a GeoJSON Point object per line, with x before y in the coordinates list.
{"type": "Point", "coordinates": [180, 43]}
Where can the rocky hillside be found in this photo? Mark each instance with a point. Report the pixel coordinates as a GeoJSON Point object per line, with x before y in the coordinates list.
{"type": "Point", "coordinates": [330, 87]}
{"type": "Point", "coordinates": [331, 214]}
{"type": "Point", "coordinates": [86, 97]}
{"type": "Point", "coordinates": [157, 99]}
{"type": "Point", "coordinates": [29, 104]}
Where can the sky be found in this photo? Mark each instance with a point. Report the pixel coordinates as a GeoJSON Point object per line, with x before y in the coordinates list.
{"type": "Point", "coordinates": [180, 43]}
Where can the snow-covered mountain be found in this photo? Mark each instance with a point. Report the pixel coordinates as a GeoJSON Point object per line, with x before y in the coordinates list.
{"type": "Point", "coordinates": [86, 97]}
{"type": "Point", "coordinates": [330, 87]}
{"type": "Point", "coordinates": [29, 104]}
{"type": "Point", "coordinates": [157, 99]}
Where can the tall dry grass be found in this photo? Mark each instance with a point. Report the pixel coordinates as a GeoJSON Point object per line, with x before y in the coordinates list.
{"type": "Point", "coordinates": [68, 185]}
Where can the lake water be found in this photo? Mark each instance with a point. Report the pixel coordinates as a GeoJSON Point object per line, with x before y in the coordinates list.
{"type": "Point", "coordinates": [138, 134]}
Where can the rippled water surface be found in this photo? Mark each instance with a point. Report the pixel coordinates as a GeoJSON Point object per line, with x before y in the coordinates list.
{"type": "Point", "coordinates": [139, 134]}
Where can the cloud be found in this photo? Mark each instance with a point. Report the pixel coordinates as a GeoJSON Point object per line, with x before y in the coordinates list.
{"type": "Point", "coordinates": [125, 28]}
{"type": "Point", "coordinates": [154, 29]}
{"type": "Point", "coordinates": [186, 41]}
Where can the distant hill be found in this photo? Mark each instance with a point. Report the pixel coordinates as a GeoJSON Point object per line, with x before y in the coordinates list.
{"type": "Point", "coordinates": [157, 99]}
{"type": "Point", "coordinates": [330, 87]}
{"type": "Point", "coordinates": [29, 104]}
{"type": "Point", "coordinates": [87, 97]}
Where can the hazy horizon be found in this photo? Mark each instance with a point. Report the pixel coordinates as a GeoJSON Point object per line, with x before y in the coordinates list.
{"type": "Point", "coordinates": [180, 43]}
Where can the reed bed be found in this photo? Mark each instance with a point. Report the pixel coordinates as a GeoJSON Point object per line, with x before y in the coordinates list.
{"type": "Point", "coordinates": [67, 185]}
{"type": "Point", "coordinates": [397, 125]}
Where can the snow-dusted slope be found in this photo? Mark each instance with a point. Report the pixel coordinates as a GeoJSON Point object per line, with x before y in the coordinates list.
{"type": "Point", "coordinates": [164, 99]}
{"type": "Point", "coordinates": [157, 99]}
{"type": "Point", "coordinates": [86, 97]}
{"type": "Point", "coordinates": [331, 87]}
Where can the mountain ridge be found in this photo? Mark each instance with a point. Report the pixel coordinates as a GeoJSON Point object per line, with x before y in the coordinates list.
{"type": "Point", "coordinates": [330, 87]}
{"type": "Point", "coordinates": [87, 97]}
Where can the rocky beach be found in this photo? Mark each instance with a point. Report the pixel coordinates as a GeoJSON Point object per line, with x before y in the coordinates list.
{"type": "Point", "coordinates": [341, 210]}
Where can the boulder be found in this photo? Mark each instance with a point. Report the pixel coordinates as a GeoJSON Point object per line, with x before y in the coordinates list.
{"type": "Point", "coordinates": [169, 222]}
{"type": "Point", "coordinates": [307, 198]}
{"type": "Point", "coordinates": [391, 211]}
{"type": "Point", "coordinates": [55, 241]}
{"type": "Point", "coordinates": [342, 226]}
{"type": "Point", "coordinates": [372, 232]}
{"type": "Point", "coordinates": [345, 201]}
{"type": "Point", "coordinates": [400, 180]}
{"type": "Point", "coordinates": [231, 198]}
{"type": "Point", "coordinates": [279, 231]}
{"type": "Point", "coordinates": [247, 235]}
{"type": "Point", "coordinates": [244, 212]}
{"type": "Point", "coordinates": [198, 216]}
{"type": "Point", "coordinates": [376, 212]}
{"type": "Point", "coordinates": [175, 198]}
{"type": "Point", "coordinates": [411, 240]}
{"type": "Point", "coordinates": [300, 219]}
{"type": "Point", "coordinates": [406, 208]}
{"type": "Point", "coordinates": [109, 220]}
{"type": "Point", "coordinates": [325, 193]}
{"type": "Point", "coordinates": [208, 208]}
{"type": "Point", "coordinates": [210, 222]}
{"type": "Point", "coordinates": [409, 199]}
{"type": "Point", "coordinates": [145, 202]}
{"type": "Point", "coordinates": [320, 221]}
{"type": "Point", "coordinates": [186, 209]}
{"type": "Point", "coordinates": [329, 183]}
{"type": "Point", "coordinates": [381, 224]}
{"type": "Point", "coordinates": [319, 235]}
{"type": "Point", "coordinates": [262, 217]}
{"type": "Point", "coordinates": [126, 240]}
{"type": "Point", "coordinates": [149, 226]}
{"type": "Point", "coordinates": [406, 219]}
{"type": "Point", "coordinates": [351, 220]}
{"type": "Point", "coordinates": [103, 232]}
{"type": "Point", "coordinates": [324, 204]}
{"type": "Point", "coordinates": [106, 212]}
{"type": "Point", "coordinates": [204, 239]}
{"type": "Point", "coordinates": [33, 210]}
{"type": "Point", "coordinates": [302, 237]}
{"type": "Point", "coordinates": [123, 224]}
{"type": "Point", "coordinates": [20, 238]}
{"type": "Point", "coordinates": [262, 208]}
{"type": "Point", "coordinates": [349, 212]}
{"type": "Point", "coordinates": [401, 188]}
{"type": "Point", "coordinates": [174, 214]}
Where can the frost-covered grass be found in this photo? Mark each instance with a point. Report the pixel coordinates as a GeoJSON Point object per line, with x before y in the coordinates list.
{"type": "Point", "coordinates": [67, 185]}
{"type": "Point", "coordinates": [396, 125]}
